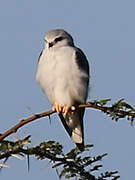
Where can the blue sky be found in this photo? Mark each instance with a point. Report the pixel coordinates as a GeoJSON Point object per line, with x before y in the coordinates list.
{"type": "Point", "coordinates": [105, 31]}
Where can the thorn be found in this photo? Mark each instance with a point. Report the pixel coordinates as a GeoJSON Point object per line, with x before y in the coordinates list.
{"type": "Point", "coordinates": [49, 119]}
{"type": "Point", "coordinates": [28, 161]}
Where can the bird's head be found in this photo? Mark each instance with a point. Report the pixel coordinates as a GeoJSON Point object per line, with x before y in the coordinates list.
{"type": "Point", "coordinates": [57, 38]}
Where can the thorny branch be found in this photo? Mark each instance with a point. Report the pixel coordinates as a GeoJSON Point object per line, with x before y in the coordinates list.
{"type": "Point", "coordinates": [118, 110]}
{"type": "Point", "coordinates": [72, 164]}
{"type": "Point", "coordinates": [69, 165]}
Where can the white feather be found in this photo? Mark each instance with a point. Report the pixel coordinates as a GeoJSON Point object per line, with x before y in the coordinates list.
{"type": "Point", "coordinates": [59, 76]}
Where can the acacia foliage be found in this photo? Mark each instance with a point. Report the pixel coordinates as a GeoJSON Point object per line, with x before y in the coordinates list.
{"type": "Point", "coordinates": [74, 164]}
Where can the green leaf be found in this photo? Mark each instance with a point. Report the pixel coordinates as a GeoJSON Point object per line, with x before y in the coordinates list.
{"type": "Point", "coordinates": [103, 101]}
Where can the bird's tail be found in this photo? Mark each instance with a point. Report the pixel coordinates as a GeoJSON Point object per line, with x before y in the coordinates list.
{"type": "Point", "coordinates": [73, 123]}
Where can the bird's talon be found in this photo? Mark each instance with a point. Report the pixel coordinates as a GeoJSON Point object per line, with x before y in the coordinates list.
{"type": "Point", "coordinates": [65, 109]}
{"type": "Point", "coordinates": [57, 108]}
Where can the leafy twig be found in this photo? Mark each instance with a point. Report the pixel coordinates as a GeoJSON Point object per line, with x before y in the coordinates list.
{"type": "Point", "coordinates": [71, 164]}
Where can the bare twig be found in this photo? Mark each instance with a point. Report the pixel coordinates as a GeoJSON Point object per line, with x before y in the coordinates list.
{"type": "Point", "coordinates": [25, 121]}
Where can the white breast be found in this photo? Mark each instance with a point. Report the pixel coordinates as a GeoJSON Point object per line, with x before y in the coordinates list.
{"type": "Point", "coordinates": [59, 76]}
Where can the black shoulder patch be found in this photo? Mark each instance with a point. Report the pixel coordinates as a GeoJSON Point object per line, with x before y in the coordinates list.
{"type": "Point", "coordinates": [81, 60]}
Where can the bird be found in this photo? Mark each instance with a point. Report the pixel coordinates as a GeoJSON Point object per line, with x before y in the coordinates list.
{"type": "Point", "coordinates": [63, 75]}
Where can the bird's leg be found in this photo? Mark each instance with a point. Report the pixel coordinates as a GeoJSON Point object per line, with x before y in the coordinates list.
{"type": "Point", "coordinates": [65, 109]}
{"type": "Point", "coordinates": [57, 108]}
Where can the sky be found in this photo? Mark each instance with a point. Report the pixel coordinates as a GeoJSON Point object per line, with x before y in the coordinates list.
{"type": "Point", "coordinates": [104, 30]}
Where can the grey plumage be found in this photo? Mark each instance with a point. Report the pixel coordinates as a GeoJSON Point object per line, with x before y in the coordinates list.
{"type": "Point", "coordinates": [63, 74]}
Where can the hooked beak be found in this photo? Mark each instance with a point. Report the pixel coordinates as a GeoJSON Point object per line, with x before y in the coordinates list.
{"type": "Point", "coordinates": [51, 44]}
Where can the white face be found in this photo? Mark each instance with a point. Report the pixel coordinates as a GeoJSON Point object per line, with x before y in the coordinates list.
{"type": "Point", "coordinates": [57, 38]}
{"type": "Point", "coordinates": [56, 41]}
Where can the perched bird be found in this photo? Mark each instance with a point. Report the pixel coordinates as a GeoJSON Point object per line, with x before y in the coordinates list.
{"type": "Point", "coordinates": [63, 74]}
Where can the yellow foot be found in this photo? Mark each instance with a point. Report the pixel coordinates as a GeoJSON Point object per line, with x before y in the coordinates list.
{"type": "Point", "coordinates": [57, 108]}
{"type": "Point", "coordinates": [65, 109]}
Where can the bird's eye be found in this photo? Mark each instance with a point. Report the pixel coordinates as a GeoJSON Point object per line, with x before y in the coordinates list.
{"type": "Point", "coordinates": [58, 39]}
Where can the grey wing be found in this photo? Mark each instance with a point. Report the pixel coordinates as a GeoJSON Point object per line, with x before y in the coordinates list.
{"type": "Point", "coordinates": [82, 63]}
{"type": "Point", "coordinates": [73, 122]}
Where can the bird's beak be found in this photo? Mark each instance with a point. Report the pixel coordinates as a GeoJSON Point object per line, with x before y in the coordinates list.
{"type": "Point", "coordinates": [51, 44]}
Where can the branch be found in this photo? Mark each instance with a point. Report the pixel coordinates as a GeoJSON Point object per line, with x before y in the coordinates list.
{"type": "Point", "coordinates": [25, 121]}
{"type": "Point", "coordinates": [69, 165]}
{"type": "Point", "coordinates": [119, 110]}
